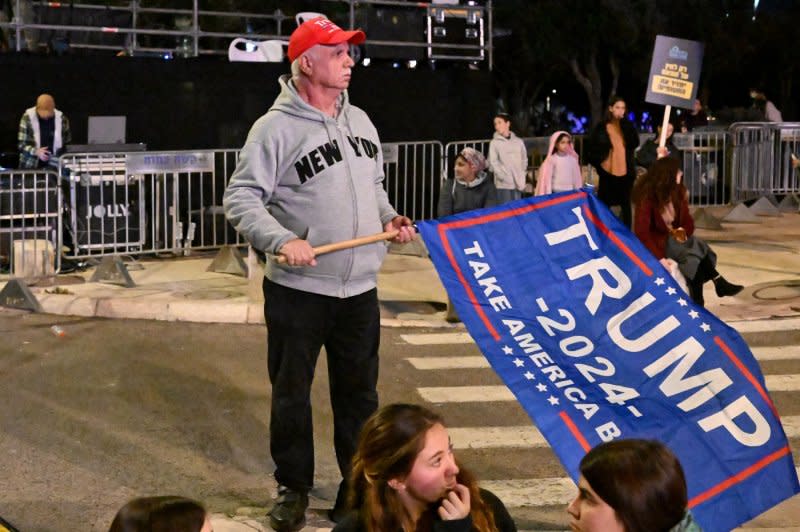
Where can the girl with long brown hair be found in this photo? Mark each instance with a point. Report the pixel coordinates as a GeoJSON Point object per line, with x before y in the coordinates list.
{"type": "Point", "coordinates": [405, 478]}
{"type": "Point", "coordinates": [665, 226]}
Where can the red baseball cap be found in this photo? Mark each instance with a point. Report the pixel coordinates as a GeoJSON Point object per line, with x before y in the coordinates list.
{"type": "Point", "coordinates": [320, 30]}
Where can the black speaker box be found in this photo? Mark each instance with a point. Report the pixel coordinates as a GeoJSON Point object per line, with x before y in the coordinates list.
{"type": "Point", "coordinates": [108, 216]}
{"type": "Point", "coordinates": [459, 26]}
{"type": "Point", "coordinates": [393, 23]}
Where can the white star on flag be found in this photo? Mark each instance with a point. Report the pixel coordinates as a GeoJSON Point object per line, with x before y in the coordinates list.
{"type": "Point", "coordinates": [671, 291]}
{"type": "Point", "coordinates": [659, 281]}
{"type": "Point", "coordinates": [519, 362]}
{"type": "Point", "coordinates": [507, 350]}
{"type": "Point", "coordinates": [530, 376]}
{"type": "Point", "coordinates": [706, 327]}
{"type": "Point", "coordinates": [682, 302]}
{"type": "Point", "coordinates": [541, 387]}
{"type": "Point", "coordinates": [552, 400]}
{"type": "Point", "coordinates": [694, 314]}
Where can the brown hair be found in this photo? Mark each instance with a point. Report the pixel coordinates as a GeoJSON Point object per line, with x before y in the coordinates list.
{"type": "Point", "coordinates": [641, 480]}
{"type": "Point", "coordinates": [167, 513]}
{"type": "Point", "coordinates": [390, 442]}
{"type": "Point", "coordinates": [658, 185]}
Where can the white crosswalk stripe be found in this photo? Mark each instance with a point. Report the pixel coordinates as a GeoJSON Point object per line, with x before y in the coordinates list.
{"type": "Point", "coordinates": [438, 338]}
{"type": "Point", "coordinates": [468, 394]}
{"type": "Point", "coordinates": [769, 325]}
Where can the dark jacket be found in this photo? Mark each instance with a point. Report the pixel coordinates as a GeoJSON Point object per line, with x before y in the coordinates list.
{"type": "Point", "coordinates": [456, 197]}
{"type": "Point", "coordinates": [502, 519]}
{"type": "Point", "coordinates": [599, 145]}
{"type": "Point", "coordinates": [648, 153]}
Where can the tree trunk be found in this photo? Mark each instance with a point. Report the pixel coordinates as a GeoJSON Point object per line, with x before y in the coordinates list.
{"type": "Point", "coordinates": [591, 83]}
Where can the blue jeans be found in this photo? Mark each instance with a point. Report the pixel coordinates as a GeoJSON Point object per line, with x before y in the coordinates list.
{"type": "Point", "coordinates": [504, 195]}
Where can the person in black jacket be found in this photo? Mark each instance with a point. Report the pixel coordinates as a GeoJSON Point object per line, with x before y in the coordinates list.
{"type": "Point", "coordinates": [471, 188]}
{"type": "Point", "coordinates": [650, 152]}
{"type": "Point", "coordinates": [405, 477]}
{"type": "Point", "coordinates": [611, 149]}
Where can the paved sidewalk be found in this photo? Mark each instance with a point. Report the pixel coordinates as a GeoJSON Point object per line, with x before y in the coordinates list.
{"type": "Point", "coordinates": [764, 256]}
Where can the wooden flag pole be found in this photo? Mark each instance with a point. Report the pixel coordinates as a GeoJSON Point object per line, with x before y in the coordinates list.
{"type": "Point", "coordinates": [346, 244]}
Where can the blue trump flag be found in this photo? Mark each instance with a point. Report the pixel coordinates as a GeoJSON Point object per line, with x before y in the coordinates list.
{"type": "Point", "coordinates": [598, 342]}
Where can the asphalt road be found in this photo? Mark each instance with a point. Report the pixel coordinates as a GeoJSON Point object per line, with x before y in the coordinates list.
{"type": "Point", "coordinates": [120, 408]}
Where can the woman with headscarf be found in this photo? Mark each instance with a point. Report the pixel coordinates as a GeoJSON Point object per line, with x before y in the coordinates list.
{"type": "Point", "coordinates": [470, 188]}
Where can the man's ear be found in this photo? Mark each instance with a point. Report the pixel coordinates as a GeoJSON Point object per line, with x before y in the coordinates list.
{"type": "Point", "coordinates": [305, 64]}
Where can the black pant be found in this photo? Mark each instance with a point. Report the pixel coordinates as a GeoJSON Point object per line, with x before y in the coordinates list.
{"type": "Point", "coordinates": [705, 272]}
{"type": "Point", "coordinates": [616, 190]}
{"type": "Point", "coordinates": [298, 325]}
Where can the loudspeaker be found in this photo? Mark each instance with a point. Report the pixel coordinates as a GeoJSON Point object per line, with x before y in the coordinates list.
{"type": "Point", "coordinates": [456, 26]}
{"type": "Point", "coordinates": [392, 23]}
{"type": "Point", "coordinates": [109, 216]}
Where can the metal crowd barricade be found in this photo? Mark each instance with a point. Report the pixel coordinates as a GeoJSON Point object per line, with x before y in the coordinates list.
{"type": "Point", "coordinates": [705, 166]}
{"type": "Point", "coordinates": [132, 203]}
{"type": "Point", "coordinates": [752, 165]}
{"type": "Point", "coordinates": [147, 202]}
{"type": "Point", "coordinates": [413, 177]}
{"type": "Point", "coordinates": [30, 223]}
{"type": "Point", "coordinates": [786, 177]}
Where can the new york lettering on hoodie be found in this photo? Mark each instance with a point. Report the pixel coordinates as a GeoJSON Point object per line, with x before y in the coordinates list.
{"type": "Point", "coordinates": [328, 154]}
{"type": "Point", "coordinates": [303, 174]}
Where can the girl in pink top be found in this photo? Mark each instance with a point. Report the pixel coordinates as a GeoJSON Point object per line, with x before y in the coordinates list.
{"type": "Point", "coordinates": [561, 170]}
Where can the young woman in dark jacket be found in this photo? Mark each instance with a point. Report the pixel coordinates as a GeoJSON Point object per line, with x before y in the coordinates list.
{"type": "Point", "coordinates": [405, 478]}
{"type": "Point", "coordinates": [611, 147]}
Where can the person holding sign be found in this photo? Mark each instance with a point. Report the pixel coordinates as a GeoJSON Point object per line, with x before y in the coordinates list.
{"type": "Point", "coordinates": [561, 169]}
{"type": "Point", "coordinates": [650, 150]}
{"type": "Point", "coordinates": [405, 477]}
{"type": "Point", "coordinates": [631, 486]}
{"type": "Point", "coordinates": [612, 145]}
{"type": "Point", "coordinates": [665, 226]}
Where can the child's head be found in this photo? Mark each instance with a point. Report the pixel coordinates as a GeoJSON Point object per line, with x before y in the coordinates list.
{"type": "Point", "coordinates": [502, 123]}
{"type": "Point", "coordinates": [161, 514]}
{"type": "Point", "coordinates": [562, 143]}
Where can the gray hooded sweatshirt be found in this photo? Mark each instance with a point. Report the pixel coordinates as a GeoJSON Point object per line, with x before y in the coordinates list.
{"type": "Point", "coordinates": [303, 174]}
{"type": "Point", "coordinates": [508, 160]}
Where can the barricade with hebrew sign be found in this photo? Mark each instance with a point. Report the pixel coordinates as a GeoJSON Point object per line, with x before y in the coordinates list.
{"type": "Point", "coordinates": [597, 342]}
